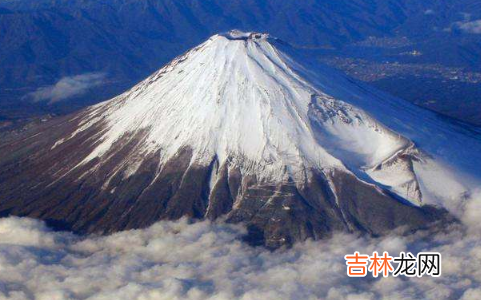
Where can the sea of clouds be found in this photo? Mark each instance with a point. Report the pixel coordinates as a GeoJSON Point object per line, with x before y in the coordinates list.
{"type": "Point", "coordinates": [205, 260]}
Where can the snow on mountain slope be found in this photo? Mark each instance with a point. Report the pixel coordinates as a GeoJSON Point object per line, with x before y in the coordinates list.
{"type": "Point", "coordinates": [228, 96]}
{"type": "Point", "coordinates": [238, 97]}
{"type": "Point", "coordinates": [447, 153]}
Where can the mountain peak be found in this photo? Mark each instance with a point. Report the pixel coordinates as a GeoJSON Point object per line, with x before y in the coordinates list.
{"type": "Point", "coordinates": [224, 99]}
{"type": "Point", "coordinates": [241, 35]}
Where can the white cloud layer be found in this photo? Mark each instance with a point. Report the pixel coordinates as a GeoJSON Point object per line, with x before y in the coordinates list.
{"type": "Point", "coordinates": [68, 87]}
{"type": "Point", "coordinates": [204, 260]}
{"type": "Point", "coordinates": [178, 260]}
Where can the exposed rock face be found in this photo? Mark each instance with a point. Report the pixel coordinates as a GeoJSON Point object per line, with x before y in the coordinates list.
{"type": "Point", "coordinates": [232, 130]}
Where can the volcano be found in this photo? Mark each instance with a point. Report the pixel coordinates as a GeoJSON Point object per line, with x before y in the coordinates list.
{"type": "Point", "coordinates": [244, 129]}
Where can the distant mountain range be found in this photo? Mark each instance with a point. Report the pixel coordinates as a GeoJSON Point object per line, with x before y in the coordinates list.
{"type": "Point", "coordinates": [42, 42]}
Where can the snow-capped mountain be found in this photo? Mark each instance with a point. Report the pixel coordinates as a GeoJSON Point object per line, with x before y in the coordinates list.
{"type": "Point", "coordinates": [242, 128]}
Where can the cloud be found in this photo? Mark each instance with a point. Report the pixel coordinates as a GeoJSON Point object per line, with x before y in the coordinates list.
{"type": "Point", "coordinates": [429, 12]}
{"type": "Point", "coordinates": [67, 87]}
{"type": "Point", "coordinates": [473, 27]}
{"type": "Point", "coordinates": [205, 260]}
{"type": "Point", "coordinates": [178, 260]}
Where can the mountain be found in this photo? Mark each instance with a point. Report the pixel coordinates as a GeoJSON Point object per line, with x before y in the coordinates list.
{"type": "Point", "coordinates": [243, 128]}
